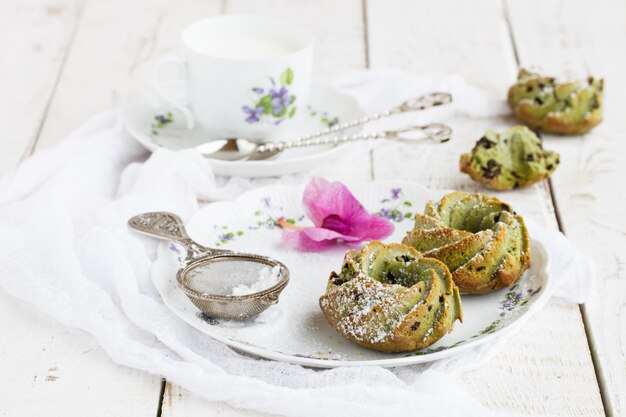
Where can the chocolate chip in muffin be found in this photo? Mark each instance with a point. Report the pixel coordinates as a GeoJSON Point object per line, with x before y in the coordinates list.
{"type": "Point", "coordinates": [391, 278]}
{"type": "Point", "coordinates": [492, 169]}
{"type": "Point", "coordinates": [485, 143]}
{"type": "Point", "coordinates": [595, 104]}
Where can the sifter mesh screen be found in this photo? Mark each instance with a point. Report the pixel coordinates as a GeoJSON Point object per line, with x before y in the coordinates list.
{"type": "Point", "coordinates": [220, 275]}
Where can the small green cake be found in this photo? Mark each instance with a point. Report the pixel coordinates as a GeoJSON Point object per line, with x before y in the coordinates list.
{"type": "Point", "coordinates": [508, 160]}
{"type": "Point", "coordinates": [570, 108]}
{"type": "Point", "coordinates": [481, 239]}
{"type": "Point", "coordinates": [392, 299]}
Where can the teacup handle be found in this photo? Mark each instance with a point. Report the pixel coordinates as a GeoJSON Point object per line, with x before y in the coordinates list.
{"type": "Point", "coordinates": [178, 105]}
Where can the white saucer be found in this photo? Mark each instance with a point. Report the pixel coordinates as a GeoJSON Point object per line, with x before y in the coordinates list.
{"type": "Point", "coordinates": [327, 104]}
{"type": "Point", "coordinates": [294, 330]}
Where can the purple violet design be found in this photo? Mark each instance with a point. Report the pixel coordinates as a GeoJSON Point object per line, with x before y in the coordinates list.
{"type": "Point", "coordinates": [395, 209]}
{"type": "Point", "coordinates": [280, 100]}
{"type": "Point", "coordinates": [226, 237]}
{"type": "Point", "coordinates": [272, 102]}
{"type": "Point", "coordinates": [163, 119]}
{"type": "Point", "coordinates": [254, 114]}
{"type": "Point", "coordinates": [390, 214]}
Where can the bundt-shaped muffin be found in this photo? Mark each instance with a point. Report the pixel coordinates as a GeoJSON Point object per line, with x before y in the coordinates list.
{"type": "Point", "coordinates": [482, 240]}
{"type": "Point", "coordinates": [508, 160]}
{"type": "Point", "coordinates": [391, 298]}
{"type": "Point", "coordinates": [570, 108]}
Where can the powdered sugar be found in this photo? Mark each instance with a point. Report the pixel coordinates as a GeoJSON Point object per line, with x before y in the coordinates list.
{"type": "Point", "coordinates": [268, 277]}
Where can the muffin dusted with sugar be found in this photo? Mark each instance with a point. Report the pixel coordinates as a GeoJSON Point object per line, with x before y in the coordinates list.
{"type": "Point", "coordinates": [392, 299]}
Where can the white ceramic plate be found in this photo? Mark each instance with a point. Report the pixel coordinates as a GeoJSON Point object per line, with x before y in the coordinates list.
{"type": "Point", "coordinates": [294, 330]}
{"type": "Point", "coordinates": [327, 106]}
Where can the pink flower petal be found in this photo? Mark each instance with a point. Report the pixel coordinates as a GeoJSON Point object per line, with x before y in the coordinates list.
{"type": "Point", "coordinates": [371, 227]}
{"type": "Point", "coordinates": [301, 241]}
{"type": "Point", "coordinates": [336, 223]}
{"type": "Point", "coordinates": [338, 216]}
{"type": "Point", "coordinates": [322, 199]}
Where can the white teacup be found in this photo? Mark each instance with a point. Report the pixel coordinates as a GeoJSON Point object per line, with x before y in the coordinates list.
{"type": "Point", "coordinates": [245, 76]}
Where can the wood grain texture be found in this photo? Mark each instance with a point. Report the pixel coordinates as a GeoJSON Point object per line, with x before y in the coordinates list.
{"type": "Point", "coordinates": [552, 355]}
{"type": "Point", "coordinates": [547, 370]}
{"type": "Point", "coordinates": [575, 39]}
{"type": "Point", "coordinates": [37, 36]}
{"type": "Point", "coordinates": [443, 38]}
{"type": "Point", "coordinates": [116, 44]}
{"type": "Point", "coordinates": [178, 402]}
{"type": "Point", "coordinates": [52, 370]}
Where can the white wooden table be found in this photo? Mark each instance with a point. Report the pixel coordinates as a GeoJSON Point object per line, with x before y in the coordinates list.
{"type": "Point", "coordinates": [64, 60]}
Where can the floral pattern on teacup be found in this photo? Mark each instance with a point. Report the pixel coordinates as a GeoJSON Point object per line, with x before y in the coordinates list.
{"type": "Point", "coordinates": [271, 102]}
{"type": "Point", "coordinates": [160, 121]}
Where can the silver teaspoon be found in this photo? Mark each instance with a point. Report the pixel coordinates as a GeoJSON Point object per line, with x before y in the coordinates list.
{"type": "Point", "coordinates": [414, 104]}
{"type": "Point", "coordinates": [241, 149]}
{"type": "Point", "coordinates": [249, 151]}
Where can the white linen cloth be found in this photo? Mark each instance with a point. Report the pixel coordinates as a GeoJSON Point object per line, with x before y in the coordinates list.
{"type": "Point", "coordinates": [66, 248]}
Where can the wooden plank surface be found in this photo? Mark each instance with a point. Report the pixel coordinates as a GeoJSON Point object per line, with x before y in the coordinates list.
{"type": "Point", "coordinates": [116, 45]}
{"type": "Point", "coordinates": [565, 370]}
{"type": "Point", "coordinates": [96, 51]}
{"type": "Point", "coordinates": [442, 38]}
{"type": "Point", "coordinates": [66, 61]}
{"type": "Point", "coordinates": [575, 39]}
{"type": "Point", "coordinates": [47, 368]}
{"type": "Point", "coordinates": [37, 36]}
{"type": "Point", "coordinates": [547, 368]}
{"type": "Point", "coordinates": [51, 370]}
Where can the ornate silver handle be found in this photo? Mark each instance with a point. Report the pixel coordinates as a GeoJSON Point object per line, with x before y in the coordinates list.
{"type": "Point", "coordinates": [160, 224]}
{"type": "Point", "coordinates": [415, 104]}
{"type": "Point", "coordinates": [435, 132]}
{"type": "Point", "coordinates": [168, 226]}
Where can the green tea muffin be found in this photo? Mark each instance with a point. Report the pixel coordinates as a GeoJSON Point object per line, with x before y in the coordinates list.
{"type": "Point", "coordinates": [481, 240]}
{"type": "Point", "coordinates": [570, 108]}
{"type": "Point", "coordinates": [392, 299]}
{"type": "Point", "coordinates": [508, 160]}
